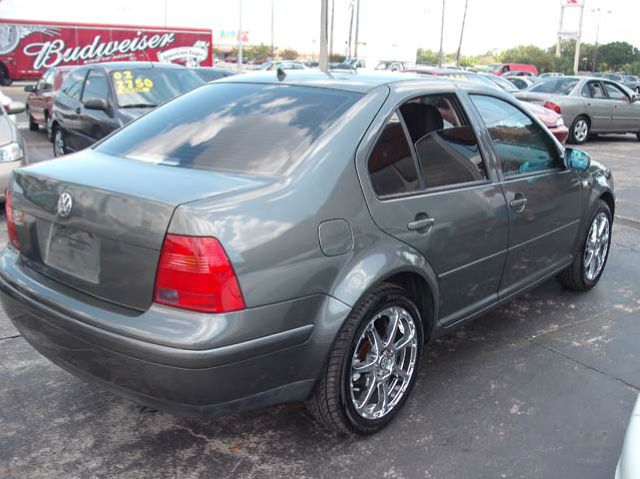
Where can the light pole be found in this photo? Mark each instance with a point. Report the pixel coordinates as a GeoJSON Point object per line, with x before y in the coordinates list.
{"type": "Point", "coordinates": [595, 50]}
{"type": "Point", "coordinates": [273, 58]}
{"type": "Point", "coordinates": [464, 19]}
{"type": "Point", "coordinates": [441, 57]}
{"type": "Point", "coordinates": [324, 35]}
{"type": "Point", "coordinates": [239, 35]}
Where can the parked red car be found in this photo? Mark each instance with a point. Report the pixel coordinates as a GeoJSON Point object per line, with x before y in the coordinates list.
{"type": "Point", "coordinates": [40, 99]}
{"type": "Point", "coordinates": [513, 69]}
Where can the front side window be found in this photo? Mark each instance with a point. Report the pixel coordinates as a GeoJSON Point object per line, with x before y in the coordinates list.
{"type": "Point", "coordinates": [615, 93]}
{"type": "Point", "coordinates": [445, 144]}
{"type": "Point", "coordinates": [96, 87]}
{"type": "Point", "coordinates": [72, 86]}
{"type": "Point", "coordinates": [391, 166]}
{"type": "Point", "coordinates": [520, 144]}
{"type": "Point", "coordinates": [252, 129]}
{"type": "Point", "coordinates": [47, 79]}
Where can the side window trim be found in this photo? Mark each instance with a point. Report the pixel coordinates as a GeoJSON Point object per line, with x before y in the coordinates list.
{"type": "Point", "coordinates": [503, 177]}
{"type": "Point", "coordinates": [97, 73]}
{"type": "Point", "coordinates": [412, 149]}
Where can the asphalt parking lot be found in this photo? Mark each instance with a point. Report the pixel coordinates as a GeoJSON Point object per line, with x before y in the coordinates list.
{"type": "Point", "coordinates": [540, 388]}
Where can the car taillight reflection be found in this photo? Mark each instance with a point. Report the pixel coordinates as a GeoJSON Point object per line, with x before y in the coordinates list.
{"type": "Point", "coordinates": [11, 225]}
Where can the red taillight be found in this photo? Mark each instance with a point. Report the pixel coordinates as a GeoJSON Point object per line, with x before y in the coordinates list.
{"type": "Point", "coordinates": [11, 225]}
{"type": "Point", "coordinates": [195, 273]}
{"type": "Point", "coordinates": [552, 106]}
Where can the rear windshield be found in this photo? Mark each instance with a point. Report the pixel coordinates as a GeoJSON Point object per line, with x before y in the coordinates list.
{"type": "Point", "coordinates": [557, 85]}
{"type": "Point", "coordinates": [236, 127]}
{"type": "Point", "coordinates": [148, 87]}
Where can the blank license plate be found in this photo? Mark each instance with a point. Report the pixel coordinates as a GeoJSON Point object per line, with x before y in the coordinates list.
{"type": "Point", "coordinates": [75, 252]}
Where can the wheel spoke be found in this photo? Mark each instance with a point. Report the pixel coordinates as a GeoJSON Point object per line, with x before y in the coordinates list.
{"type": "Point", "coordinates": [383, 396]}
{"type": "Point", "coordinates": [404, 341]}
{"type": "Point", "coordinates": [365, 366]}
{"type": "Point", "coordinates": [376, 341]}
{"type": "Point", "coordinates": [402, 374]}
{"type": "Point", "coordinates": [367, 395]}
{"type": "Point", "coordinates": [392, 327]}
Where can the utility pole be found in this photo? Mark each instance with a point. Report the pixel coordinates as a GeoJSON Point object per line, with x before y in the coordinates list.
{"type": "Point", "coordinates": [351, 7]}
{"type": "Point", "coordinates": [273, 57]}
{"type": "Point", "coordinates": [595, 50]}
{"type": "Point", "coordinates": [239, 35]}
{"type": "Point", "coordinates": [324, 37]}
{"type": "Point", "coordinates": [558, 45]}
{"type": "Point", "coordinates": [464, 19]}
{"type": "Point", "coordinates": [441, 57]}
{"type": "Point", "coordinates": [355, 53]}
{"type": "Point", "coordinates": [333, 13]}
{"type": "Point", "coordinates": [576, 59]}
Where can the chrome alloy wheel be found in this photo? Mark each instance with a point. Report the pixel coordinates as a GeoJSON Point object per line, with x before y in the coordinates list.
{"type": "Point", "coordinates": [58, 143]}
{"type": "Point", "coordinates": [597, 246]}
{"type": "Point", "coordinates": [581, 130]}
{"type": "Point", "coordinates": [383, 362]}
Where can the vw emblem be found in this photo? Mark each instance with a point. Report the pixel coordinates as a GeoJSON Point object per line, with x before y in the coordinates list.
{"type": "Point", "coordinates": [65, 205]}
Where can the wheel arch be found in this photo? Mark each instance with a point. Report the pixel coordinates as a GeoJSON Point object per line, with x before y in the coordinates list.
{"type": "Point", "coordinates": [607, 197]}
{"type": "Point", "coordinates": [396, 263]}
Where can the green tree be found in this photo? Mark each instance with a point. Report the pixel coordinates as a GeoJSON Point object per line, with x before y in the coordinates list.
{"type": "Point", "coordinates": [336, 58]}
{"type": "Point", "coordinates": [289, 54]}
{"type": "Point", "coordinates": [618, 54]}
{"type": "Point", "coordinates": [426, 57]}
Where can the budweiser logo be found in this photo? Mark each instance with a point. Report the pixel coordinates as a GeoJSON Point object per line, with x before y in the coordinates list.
{"type": "Point", "coordinates": [51, 53]}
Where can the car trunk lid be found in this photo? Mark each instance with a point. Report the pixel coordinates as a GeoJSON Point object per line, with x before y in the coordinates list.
{"type": "Point", "coordinates": [108, 242]}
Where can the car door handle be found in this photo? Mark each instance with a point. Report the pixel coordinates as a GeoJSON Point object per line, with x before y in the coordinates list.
{"type": "Point", "coordinates": [519, 203]}
{"type": "Point", "coordinates": [421, 224]}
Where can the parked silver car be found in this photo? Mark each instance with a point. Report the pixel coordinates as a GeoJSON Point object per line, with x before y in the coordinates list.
{"type": "Point", "coordinates": [588, 105]}
{"type": "Point", "coordinates": [12, 148]}
{"type": "Point", "coordinates": [266, 239]}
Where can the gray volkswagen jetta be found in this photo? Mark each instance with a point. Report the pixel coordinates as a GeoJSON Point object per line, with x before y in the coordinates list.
{"type": "Point", "coordinates": [301, 237]}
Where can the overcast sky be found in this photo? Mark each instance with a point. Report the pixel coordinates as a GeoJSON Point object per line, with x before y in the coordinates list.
{"type": "Point", "coordinates": [491, 24]}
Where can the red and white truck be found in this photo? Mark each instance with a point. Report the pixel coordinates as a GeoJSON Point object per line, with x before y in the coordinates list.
{"type": "Point", "coordinates": [28, 48]}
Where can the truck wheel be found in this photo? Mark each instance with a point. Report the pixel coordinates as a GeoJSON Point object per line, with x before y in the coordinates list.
{"type": "Point", "coordinates": [579, 131]}
{"type": "Point", "coordinates": [373, 364]}
{"type": "Point", "coordinates": [33, 126]}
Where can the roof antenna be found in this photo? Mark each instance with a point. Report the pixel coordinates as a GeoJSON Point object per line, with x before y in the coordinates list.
{"type": "Point", "coordinates": [281, 74]}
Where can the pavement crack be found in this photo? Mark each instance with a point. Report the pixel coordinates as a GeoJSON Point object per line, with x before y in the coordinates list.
{"type": "Point", "coordinates": [11, 337]}
{"type": "Point", "coordinates": [633, 387]}
{"type": "Point", "coordinates": [574, 323]}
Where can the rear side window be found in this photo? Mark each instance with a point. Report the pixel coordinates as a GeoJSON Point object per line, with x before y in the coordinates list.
{"type": "Point", "coordinates": [445, 144]}
{"type": "Point", "coordinates": [521, 145]}
{"type": "Point", "coordinates": [593, 89]}
{"type": "Point", "coordinates": [559, 85]}
{"type": "Point", "coordinates": [244, 128]}
{"type": "Point", "coordinates": [391, 166]}
{"type": "Point", "coordinates": [72, 86]}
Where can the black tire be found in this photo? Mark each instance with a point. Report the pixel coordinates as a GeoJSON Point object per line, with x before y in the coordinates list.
{"type": "Point", "coordinates": [331, 403]}
{"type": "Point", "coordinates": [577, 133]}
{"type": "Point", "coordinates": [33, 126]}
{"type": "Point", "coordinates": [59, 149]}
{"type": "Point", "coordinates": [4, 76]}
{"type": "Point", "coordinates": [574, 277]}
{"type": "Point", "coordinates": [638, 136]}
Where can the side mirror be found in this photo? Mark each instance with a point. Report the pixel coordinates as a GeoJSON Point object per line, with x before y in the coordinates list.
{"type": "Point", "coordinates": [14, 108]}
{"type": "Point", "coordinates": [97, 104]}
{"type": "Point", "coordinates": [576, 159]}
{"type": "Point", "coordinates": [30, 88]}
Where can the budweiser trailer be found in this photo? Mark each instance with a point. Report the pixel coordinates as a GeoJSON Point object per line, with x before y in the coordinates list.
{"type": "Point", "coordinates": [28, 48]}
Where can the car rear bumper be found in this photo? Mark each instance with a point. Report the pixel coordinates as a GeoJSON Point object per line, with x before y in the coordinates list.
{"type": "Point", "coordinates": [229, 377]}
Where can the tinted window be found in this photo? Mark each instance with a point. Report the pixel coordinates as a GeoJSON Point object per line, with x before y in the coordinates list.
{"type": "Point", "coordinates": [446, 146]}
{"type": "Point", "coordinates": [593, 89]}
{"type": "Point", "coordinates": [47, 80]}
{"type": "Point", "coordinates": [391, 166]}
{"type": "Point", "coordinates": [615, 93]}
{"type": "Point", "coordinates": [72, 86]}
{"type": "Point", "coordinates": [521, 145]}
{"type": "Point", "coordinates": [245, 128]}
{"type": "Point", "coordinates": [148, 87]}
{"type": "Point", "coordinates": [558, 85]}
{"type": "Point", "coordinates": [96, 87]}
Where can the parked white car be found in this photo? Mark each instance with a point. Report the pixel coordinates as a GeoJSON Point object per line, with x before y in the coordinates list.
{"type": "Point", "coordinates": [629, 462]}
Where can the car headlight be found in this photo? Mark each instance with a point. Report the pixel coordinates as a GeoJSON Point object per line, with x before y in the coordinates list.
{"type": "Point", "coordinates": [11, 152]}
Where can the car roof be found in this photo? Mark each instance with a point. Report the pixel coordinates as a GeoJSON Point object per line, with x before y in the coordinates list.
{"type": "Point", "coordinates": [361, 81]}
{"type": "Point", "coordinates": [109, 66]}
